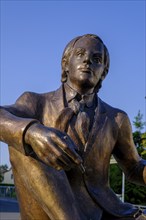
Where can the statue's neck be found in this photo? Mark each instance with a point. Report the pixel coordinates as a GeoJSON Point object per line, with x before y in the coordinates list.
{"type": "Point", "coordinates": [82, 90]}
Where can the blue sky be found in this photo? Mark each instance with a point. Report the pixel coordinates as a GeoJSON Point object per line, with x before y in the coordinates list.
{"type": "Point", "coordinates": [34, 34]}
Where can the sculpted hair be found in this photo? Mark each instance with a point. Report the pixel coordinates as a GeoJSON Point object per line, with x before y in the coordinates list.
{"type": "Point", "coordinates": [67, 53]}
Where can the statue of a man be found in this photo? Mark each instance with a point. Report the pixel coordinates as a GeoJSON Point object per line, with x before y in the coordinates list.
{"type": "Point", "coordinates": [61, 142]}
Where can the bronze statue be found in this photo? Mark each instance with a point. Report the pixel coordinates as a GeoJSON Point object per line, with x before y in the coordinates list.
{"type": "Point", "coordinates": [61, 142]}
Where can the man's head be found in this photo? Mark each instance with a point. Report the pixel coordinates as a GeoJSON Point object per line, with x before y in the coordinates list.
{"type": "Point", "coordinates": [86, 61]}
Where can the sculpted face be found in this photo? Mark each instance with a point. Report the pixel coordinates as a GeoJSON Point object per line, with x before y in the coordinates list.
{"type": "Point", "coordinates": [86, 64]}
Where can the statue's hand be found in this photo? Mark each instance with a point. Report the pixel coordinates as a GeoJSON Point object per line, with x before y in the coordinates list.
{"type": "Point", "coordinates": [141, 217]}
{"type": "Point", "coordinates": [53, 147]}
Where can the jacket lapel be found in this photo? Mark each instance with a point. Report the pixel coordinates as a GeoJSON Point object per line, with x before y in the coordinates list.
{"type": "Point", "coordinates": [63, 114]}
{"type": "Point", "coordinates": [57, 101]}
{"type": "Point", "coordinates": [98, 124]}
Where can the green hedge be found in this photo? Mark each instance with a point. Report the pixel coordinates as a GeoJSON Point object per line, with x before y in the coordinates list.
{"type": "Point", "coordinates": [133, 193]}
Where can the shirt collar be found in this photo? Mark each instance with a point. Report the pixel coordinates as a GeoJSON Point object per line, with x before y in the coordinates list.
{"type": "Point", "coordinates": [72, 94]}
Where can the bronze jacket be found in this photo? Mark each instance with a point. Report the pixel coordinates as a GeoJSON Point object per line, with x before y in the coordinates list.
{"type": "Point", "coordinates": [110, 134]}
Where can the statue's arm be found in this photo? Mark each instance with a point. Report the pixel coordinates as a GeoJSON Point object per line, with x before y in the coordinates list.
{"type": "Point", "coordinates": [127, 156]}
{"type": "Point", "coordinates": [21, 129]}
{"type": "Point", "coordinates": [14, 120]}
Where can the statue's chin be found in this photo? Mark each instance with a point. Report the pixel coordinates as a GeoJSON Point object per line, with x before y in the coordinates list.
{"type": "Point", "coordinates": [85, 87]}
{"type": "Point", "coordinates": [86, 82]}
{"type": "Point", "coordinates": [82, 84]}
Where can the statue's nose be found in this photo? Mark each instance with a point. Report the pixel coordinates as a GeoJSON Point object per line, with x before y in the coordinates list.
{"type": "Point", "coordinates": [87, 59]}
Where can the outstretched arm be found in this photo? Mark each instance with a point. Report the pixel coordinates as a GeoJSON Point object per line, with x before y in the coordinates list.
{"type": "Point", "coordinates": [126, 154]}
{"type": "Point", "coordinates": [12, 129]}
{"type": "Point", "coordinates": [15, 119]}
{"type": "Point", "coordinates": [20, 128]}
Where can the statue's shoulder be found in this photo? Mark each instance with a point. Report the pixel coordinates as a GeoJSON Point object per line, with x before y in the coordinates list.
{"type": "Point", "coordinates": [38, 100]}
{"type": "Point", "coordinates": [52, 96]}
{"type": "Point", "coordinates": [29, 95]}
{"type": "Point", "coordinates": [113, 112]}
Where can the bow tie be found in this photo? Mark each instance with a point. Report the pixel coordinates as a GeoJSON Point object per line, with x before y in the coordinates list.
{"type": "Point", "coordinates": [77, 106]}
{"type": "Point", "coordinates": [70, 94]}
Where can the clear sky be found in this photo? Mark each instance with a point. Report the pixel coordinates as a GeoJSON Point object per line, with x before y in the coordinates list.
{"type": "Point", "coordinates": [34, 34]}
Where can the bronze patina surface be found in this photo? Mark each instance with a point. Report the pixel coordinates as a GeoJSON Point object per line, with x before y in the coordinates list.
{"type": "Point", "coordinates": [61, 142]}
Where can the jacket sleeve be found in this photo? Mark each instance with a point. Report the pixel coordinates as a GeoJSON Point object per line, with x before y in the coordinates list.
{"type": "Point", "coordinates": [127, 156]}
{"type": "Point", "coordinates": [15, 119]}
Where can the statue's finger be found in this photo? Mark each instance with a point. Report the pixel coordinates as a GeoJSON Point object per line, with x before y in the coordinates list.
{"type": "Point", "coordinates": [68, 147]}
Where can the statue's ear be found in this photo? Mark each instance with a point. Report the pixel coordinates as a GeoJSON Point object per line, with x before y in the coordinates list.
{"type": "Point", "coordinates": [64, 76]}
{"type": "Point", "coordinates": [66, 70]}
{"type": "Point", "coordinates": [64, 62]}
{"type": "Point", "coordinates": [103, 75]}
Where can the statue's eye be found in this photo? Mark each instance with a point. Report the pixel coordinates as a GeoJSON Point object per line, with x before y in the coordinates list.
{"type": "Point", "coordinates": [97, 59]}
{"type": "Point", "coordinates": [80, 53]}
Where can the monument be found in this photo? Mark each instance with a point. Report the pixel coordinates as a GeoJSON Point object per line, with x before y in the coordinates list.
{"type": "Point", "coordinates": [61, 142]}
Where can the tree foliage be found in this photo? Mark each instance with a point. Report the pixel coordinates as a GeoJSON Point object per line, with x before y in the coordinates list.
{"type": "Point", "coordinates": [3, 169]}
{"type": "Point", "coordinates": [138, 123]}
{"type": "Point", "coordinates": [143, 143]}
{"type": "Point", "coordinates": [133, 193]}
{"type": "Point", "coordinates": [139, 137]}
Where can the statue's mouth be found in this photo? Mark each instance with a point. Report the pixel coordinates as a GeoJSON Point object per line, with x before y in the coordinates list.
{"type": "Point", "coordinates": [85, 69]}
